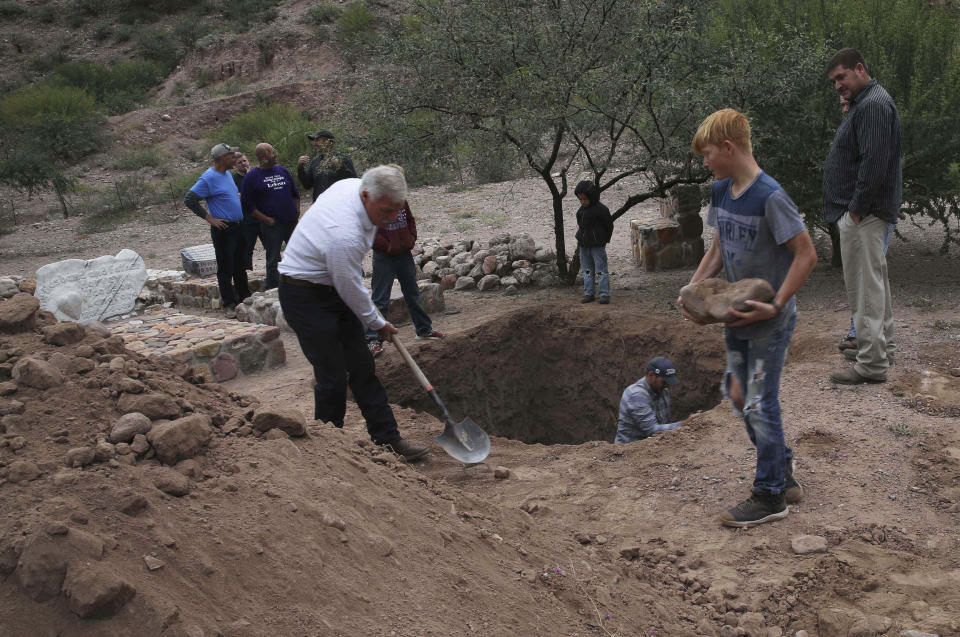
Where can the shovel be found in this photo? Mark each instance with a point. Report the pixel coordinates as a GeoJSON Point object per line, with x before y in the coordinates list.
{"type": "Point", "coordinates": [463, 440]}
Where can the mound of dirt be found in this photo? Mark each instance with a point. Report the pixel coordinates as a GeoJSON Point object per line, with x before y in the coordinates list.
{"type": "Point", "coordinates": [555, 374]}
{"type": "Point", "coordinates": [207, 526]}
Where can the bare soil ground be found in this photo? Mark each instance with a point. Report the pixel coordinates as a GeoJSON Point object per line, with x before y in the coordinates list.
{"type": "Point", "coordinates": [436, 548]}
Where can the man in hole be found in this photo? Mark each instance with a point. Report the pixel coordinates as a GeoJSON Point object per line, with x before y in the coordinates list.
{"type": "Point", "coordinates": [645, 405]}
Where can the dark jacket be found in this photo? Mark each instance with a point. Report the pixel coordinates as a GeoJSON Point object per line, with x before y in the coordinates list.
{"type": "Point", "coordinates": [863, 171]}
{"type": "Point", "coordinates": [319, 174]}
{"type": "Point", "coordinates": [594, 223]}
{"type": "Point", "coordinates": [399, 236]}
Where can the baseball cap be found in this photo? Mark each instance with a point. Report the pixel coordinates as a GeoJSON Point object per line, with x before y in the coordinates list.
{"type": "Point", "coordinates": [663, 367]}
{"type": "Point", "coordinates": [222, 149]}
{"type": "Point", "coordinates": [325, 134]}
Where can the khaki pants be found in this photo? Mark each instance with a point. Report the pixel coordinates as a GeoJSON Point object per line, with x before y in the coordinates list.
{"type": "Point", "coordinates": [868, 292]}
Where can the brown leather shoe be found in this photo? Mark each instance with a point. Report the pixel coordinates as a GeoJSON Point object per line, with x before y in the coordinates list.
{"type": "Point", "coordinates": [409, 452]}
{"type": "Point", "coordinates": [847, 343]}
{"type": "Point", "coordinates": [852, 377]}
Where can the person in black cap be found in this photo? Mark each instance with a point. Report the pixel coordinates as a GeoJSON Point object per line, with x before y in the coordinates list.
{"type": "Point", "coordinates": [645, 405]}
{"type": "Point", "coordinates": [326, 168]}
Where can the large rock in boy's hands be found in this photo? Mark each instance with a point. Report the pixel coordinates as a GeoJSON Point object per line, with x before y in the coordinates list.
{"type": "Point", "coordinates": [710, 300]}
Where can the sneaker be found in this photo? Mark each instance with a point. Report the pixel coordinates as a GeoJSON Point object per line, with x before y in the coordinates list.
{"type": "Point", "coordinates": [434, 335]}
{"type": "Point", "coordinates": [852, 377]}
{"type": "Point", "coordinates": [759, 508]}
{"type": "Point", "coordinates": [408, 451]}
{"type": "Point", "coordinates": [847, 343]}
{"type": "Point", "coordinates": [230, 311]}
{"type": "Point", "coordinates": [604, 300]}
{"type": "Point", "coordinates": [587, 298]}
{"type": "Point", "coordinates": [376, 348]}
{"type": "Point", "coordinates": [794, 491]}
{"type": "Point", "coordinates": [851, 355]}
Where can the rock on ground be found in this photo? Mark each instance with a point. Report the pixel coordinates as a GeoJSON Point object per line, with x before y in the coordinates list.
{"type": "Point", "coordinates": [94, 591]}
{"type": "Point", "coordinates": [36, 373]}
{"type": "Point", "coordinates": [289, 421]}
{"type": "Point", "coordinates": [22, 471]}
{"type": "Point", "coordinates": [153, 406]}
{"type": "Point", "coordinates": [170, 482]}
{"type": "Point", "coordinates": [128, 426]}
{"type": "Point", "coordinates": [19, 314]}
{"type": "Point", "coordinates": [806, 544]}
{"type": "Point", "coordinates": [180, 439]}
{"type": "Point", "coordinates": [66, 333]}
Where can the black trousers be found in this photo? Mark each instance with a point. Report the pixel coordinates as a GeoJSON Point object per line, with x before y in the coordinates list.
{"type": "Point", "coordinates": [251, 231]}
{"type": "Point", "coordinates": [332, 338]}
{"type": "Point", "coordinates": [273, 237]}
{"type": "Point", "coordinates": [229, 247]}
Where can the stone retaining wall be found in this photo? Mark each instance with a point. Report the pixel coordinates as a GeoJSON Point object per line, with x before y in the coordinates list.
{"type": "Point", "coordinates": [214, 349]}
{"type": "Point", "coordinates": [173, 286]}
{"type": "Point", "coordinates": [675, 241]}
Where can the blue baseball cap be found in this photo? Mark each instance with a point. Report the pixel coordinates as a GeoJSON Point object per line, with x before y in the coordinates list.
{"type": "Point", "coordinates": [663, 367]}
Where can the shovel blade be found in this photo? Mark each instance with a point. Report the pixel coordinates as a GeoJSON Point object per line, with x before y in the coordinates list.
{"type": "Point", "coordinates": [465, 441]}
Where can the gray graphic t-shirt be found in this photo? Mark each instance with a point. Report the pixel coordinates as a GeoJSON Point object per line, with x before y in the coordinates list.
{"type": "Point", "coordinates": [753, 228]}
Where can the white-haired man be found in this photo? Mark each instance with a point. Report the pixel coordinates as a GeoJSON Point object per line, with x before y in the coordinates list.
{"type": "Point", "coordinates": [325, 302]}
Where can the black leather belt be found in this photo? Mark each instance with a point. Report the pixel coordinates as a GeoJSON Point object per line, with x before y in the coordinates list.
{"type": "Point", "coordinates": [305, 284]}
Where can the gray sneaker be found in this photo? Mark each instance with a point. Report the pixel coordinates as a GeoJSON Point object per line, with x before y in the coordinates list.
{"type": "Point", "coordinates": [230, 311]}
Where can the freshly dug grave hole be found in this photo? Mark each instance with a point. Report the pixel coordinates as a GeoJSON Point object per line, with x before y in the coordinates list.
{"type": "Point", "coordinates": [555, 374]}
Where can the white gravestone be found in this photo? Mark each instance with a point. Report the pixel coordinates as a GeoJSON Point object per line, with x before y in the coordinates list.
{"type": "Point", "coordinates": [84, 291]}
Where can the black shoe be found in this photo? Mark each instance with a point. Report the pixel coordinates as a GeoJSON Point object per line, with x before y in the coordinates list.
{"type": "Point", "coordinates": [408, 451]}
{"type": "Point", "coordinates": [794, 491]}
{"type": "Point", "coordinates": [759, 508]}
{"type": "Point", "coordinates": [587, 298]}
{"type": "Point", "coordinates": [603, 300]}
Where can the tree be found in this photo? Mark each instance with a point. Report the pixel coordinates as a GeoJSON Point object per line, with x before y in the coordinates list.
{"type": "Point", "coordinates": [612, 88]}
{"type": "Point", "coordinates": [911, 46]}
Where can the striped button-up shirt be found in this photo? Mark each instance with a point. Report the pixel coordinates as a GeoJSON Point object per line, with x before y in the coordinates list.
{"type": "Point", "coordinates": [862, 173]}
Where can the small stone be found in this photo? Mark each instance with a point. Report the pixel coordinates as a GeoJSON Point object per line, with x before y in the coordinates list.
{"type": "Point", "coordinates": [801, 633]}
{"type": "Point", "coordinates": [336, 523]}
{"type": "Point", "coordinates": [753, 625]}
{"type": "Point", "coordinates": [79, 517]}
{"type": "Point", "coordinates": [133, 504]}
{"type": "Point", "coordinates": [117, 363]}
{"type": "Point", "coordinates": [103, 452]}
{"type": "Point", "coordinates": [130, 386]}
{"type": "Point", "coordinates": [36, 373]}
{"type": "Point", "coordinates": [8, 388]}
{"type": "Point", "coordinates": [501, 473]}
{"type": "Point", "coordinates": [80, 456]}
{"type": "Point", "coordinates": [806, 544]}
{"type": "Point", "coordinates": [153, 564]}
{"type": "Point", "coordinates": [276, 434]}
{"type": "Point", "coordinates": [140, 445]}
{"type": "Point", "coordinates": [180, 439]}
{"type": "Point", "coordinates": [94, 591]}
{"type": "Point", "coordinates": [128, 426]}
{"type": "Point", "coordinates": [65, 333]}
{"type": "Point", "coordinates": [8, 407]}
{"type": "Point", "coordinates": [171, 482]}
{"type": "Point", "coordinates": [17, 443]}
{"type": "Point", "coordinates": [465, 283]}
{"type": "Point", "coordinates": [19, 314]}
{"type": "Point", "coordinates": [870, 626]}
{"type": "Point", "coordinates": [919, 610]}
{"type": "Point", "coordinates": [22, 471]}
{"type": "Point", "coordinates": [154, 406]}
{"type": "Point", "coordinates": [489, 282]}
{"type": "Point", "coordinates": [916, 633]}
{"type": "Point", "coordinates": [289, 421]}
{"type": "Point", "coordinates": [630, 552]}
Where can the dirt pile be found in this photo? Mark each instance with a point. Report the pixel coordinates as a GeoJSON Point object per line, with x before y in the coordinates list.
{"type": "Point", "coordinates": [135, 502]}
{"type": "Point", "coordinates": [555, 374]}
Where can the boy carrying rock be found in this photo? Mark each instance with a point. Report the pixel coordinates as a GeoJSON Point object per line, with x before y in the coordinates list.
{"type": "Point", "coordinates": [758, 234]}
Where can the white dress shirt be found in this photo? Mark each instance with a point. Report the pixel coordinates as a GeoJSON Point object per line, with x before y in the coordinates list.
{"type": "Point", "coordinates": [328, 246]}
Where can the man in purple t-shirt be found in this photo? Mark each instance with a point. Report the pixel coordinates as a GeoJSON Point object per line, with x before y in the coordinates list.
{"type": "Point", "coordinates": [270, 195]}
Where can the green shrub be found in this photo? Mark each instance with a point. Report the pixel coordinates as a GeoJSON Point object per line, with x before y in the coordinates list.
{"type": "Point", "coordinates": [140, 157]}
{"type": "Point", "coordinates": [188, 32]}
{"type": "Point", "coordinates": [65, 119]}
{"type": "Point", "coordinates": [122, 33]}
{"type": "Point", "coordinates": [45, 63]}
{"type": "Point", "coordinates": [46, 14]}
{"type": "Point", "coordinates": [90, 8]}
{"type": "Point", "coordinates": [10, 9]}
{"type": "Point", "coordinates": [324, 13]}
{"type": "Point", "coordinates": [277, 124]}
{"type": "Point", "coordinates": [356, 26]}
{"type": "Point", "coordinates": [102, 32]}
{"type": "Point", "coordinates": [21, 42]}
{"type": "Point", "coordinates": [119, 87]}
{"type": "Point", "coordinates": [158, 46]}
{"type": "Point", "coordinates": [244, 14]}
{"type": "Point", "coordinates": [205, 77]}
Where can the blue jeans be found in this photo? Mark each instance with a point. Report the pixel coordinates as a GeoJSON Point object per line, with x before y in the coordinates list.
{"type": "Point", "coordinates": [386, 268]}
{"type": "Point", "coordinates": [273, 238]}
{"type": "Point", "coordinates": [594, 261]}
{"type": "Point", "coordinates": [886, 246]}
{"type": "Point", "coordinates": [756, 365]}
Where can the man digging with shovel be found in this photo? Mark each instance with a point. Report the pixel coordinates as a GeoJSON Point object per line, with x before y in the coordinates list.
{"type": "Point", "coordinates": [324, 300]}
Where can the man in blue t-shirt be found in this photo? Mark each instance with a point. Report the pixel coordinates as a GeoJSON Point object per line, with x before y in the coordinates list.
{"type": "Point", "coordinates": [758, 234]}
{"type": "Point", "coordinates": [270, 196]}
{"type": "Point", "coordinates": [224, 214]}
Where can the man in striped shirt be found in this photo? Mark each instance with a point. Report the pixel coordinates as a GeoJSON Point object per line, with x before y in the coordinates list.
{"type": "Point", "coordinates": [861, 194]}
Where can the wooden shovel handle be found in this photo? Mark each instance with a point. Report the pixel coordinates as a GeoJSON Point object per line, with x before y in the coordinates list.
{"type": "Point", "coordinates": [395, 339]}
